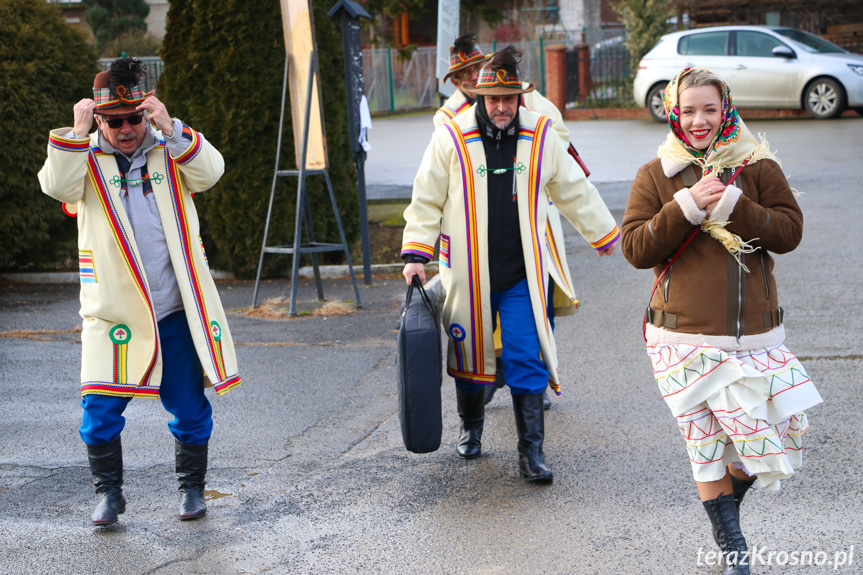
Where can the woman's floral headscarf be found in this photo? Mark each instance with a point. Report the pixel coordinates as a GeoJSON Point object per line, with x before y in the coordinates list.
{"type": "Point", "coordinates": [731, 146]}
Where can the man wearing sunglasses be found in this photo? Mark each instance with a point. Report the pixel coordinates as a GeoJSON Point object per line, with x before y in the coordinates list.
{"type": "Point", "coordinates": [153, 323]}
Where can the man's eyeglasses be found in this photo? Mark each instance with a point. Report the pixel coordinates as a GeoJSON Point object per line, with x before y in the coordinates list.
{"type": "Point", "coordinates": [466, 74]}
{"type": "Point", "coordinates": [118, 122]}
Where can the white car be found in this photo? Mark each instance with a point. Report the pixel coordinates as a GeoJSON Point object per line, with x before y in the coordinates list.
{"type": "Point", "coordinates": [765, 66]}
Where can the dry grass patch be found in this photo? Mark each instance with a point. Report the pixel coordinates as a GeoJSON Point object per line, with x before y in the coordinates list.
{"type": "Point", "coordinates": [279, 309]}
{"type": "Point", "coordinates": [332, 308]}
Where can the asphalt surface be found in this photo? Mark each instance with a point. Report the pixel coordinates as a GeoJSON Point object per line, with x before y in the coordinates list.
{"type": "Point", "coordinates": [308, 473]}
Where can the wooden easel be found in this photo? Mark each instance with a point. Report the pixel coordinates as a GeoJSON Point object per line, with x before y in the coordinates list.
{"type": "Point", "coordinates": [304, 212]}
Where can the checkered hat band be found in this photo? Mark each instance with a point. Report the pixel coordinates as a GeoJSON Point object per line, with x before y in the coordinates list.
{"type": "Point", "coordinates": [489, 78]}
{"type": "Point", "coordinates": [129, 96]}
{"type": "Point", "coordinates": [458, 59]}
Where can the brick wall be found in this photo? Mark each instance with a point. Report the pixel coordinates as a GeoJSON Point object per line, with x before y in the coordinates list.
{"type": "Point", "coordinates": [555, 75]}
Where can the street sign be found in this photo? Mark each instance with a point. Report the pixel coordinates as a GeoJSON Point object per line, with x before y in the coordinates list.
{"type": "Point", "coordinates": [447, 32]}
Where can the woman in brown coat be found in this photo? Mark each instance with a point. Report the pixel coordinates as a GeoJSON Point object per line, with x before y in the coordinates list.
{"type": "Point", "coordinates": [714, 327]}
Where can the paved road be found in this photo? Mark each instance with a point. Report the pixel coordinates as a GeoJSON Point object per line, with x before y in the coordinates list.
{"type": "Point", "coordinates": [308, 474]}
{"type": "Point", "coordinates": [398, 145]}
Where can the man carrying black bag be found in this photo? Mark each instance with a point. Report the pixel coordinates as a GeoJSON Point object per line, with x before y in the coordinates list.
{"type": "Point", "coordinates": [483, 189]}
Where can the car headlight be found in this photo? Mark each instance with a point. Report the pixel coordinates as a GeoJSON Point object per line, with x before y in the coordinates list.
{"type": "Point", "coordinates": [856, 68]}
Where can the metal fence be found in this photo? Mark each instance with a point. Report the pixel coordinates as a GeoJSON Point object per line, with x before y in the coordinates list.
{"type": "Point", "coordinates": [393, 83]}
{"type": "Point", "coordinates": [601, 81]}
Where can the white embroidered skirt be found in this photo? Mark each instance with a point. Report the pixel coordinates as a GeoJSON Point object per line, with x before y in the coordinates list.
{"type": "Point", "coordinates": [737, 406]}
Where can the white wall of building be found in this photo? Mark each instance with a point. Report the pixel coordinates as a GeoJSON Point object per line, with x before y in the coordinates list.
{"type": "Point", "coordinates": [157, 18]}
{"type": "Point", "coordinates": [578, 14]}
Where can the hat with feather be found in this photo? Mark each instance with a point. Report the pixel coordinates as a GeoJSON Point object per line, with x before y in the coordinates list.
{"type": "Point", "coordinates": [118, 91]}
{"type": "Point", "coordinates": [464, 53]}
{"type": "Point", "coordinates": [499, 76]}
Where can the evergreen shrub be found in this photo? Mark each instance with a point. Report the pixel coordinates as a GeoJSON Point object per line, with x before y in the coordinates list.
{"type": "Point", "coordinates": [46, 67]}
{"type": "Point", "coordinates": [224, 63]}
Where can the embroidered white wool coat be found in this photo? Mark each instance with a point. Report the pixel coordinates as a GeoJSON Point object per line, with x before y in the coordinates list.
{"type": "Point", "coordinates": [121, 352]}
{"type": "Point", "coordinates": [450, 202]}
{"type": "Point", "coordinates": [535, 102]}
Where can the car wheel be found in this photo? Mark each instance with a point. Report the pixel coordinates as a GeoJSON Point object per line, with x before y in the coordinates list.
{"type": "Point", "coordinates": [824, 99]}
{"type": "Point", "coordinates": [859, 111]}
{"type": "Point", "coordinates": [655, 105]}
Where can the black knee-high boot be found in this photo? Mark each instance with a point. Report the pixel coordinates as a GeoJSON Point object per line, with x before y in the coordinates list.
{"type": "Point", "coordinates": [530, 424]}
{"type": "Point", "coordinates": [106, 465]}
{"type": "Point", "coordinates": [726, 524]}
{"type": "Point", "coordinates": [191, 462]}
{"type": "Point", "coordinates": [471, 410]}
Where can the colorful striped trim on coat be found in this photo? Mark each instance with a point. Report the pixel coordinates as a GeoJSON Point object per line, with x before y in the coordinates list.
{"type": "Point", "coordinates": [458, 335]}
{"type": "Point", "coordinates": [193, 149]}
{"type": "Point", "coordinates": [555, 260]}
{"type": "Point", "coordinates": [472, 136]}
{"type": "Point", "coordinates": [472, 377]}
{"type": "Point", "coordinates": [608, 240]}
{"type": "Point", "coordinates": [118, 389]}
{"type": "Point", "coordinates": [203, 251]}
{"type": "Point", "coordinates": [453, 112]}
{"type": "Point", "coordinates": [181, 219]}
{"type": "Point", "coordinates": [535, 195]}
{"type": "Point", "coordinates": [124, 245]}
{"type": "Point", "coordinates": [444, 250]}
{"type": "Point", "coordinates": [69, 145]}
{"type": "Point", "coordinates": [86, 267]}
{"type": "Point", "coordinates": [525, 133]}
{"type": "Point", "coordinates": [227, 385]}
{"type": "Point", "coordinates": [471, 247]}
{"type": "Point", "coordinates": [120, 335]}
{"type": "Point", "coordinates": [418, 249]}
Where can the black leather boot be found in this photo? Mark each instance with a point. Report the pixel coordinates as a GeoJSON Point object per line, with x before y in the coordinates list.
{"type": "Point", "coordinates": [499, 381]}
{"type": "Point", "coordinates": [739, 488]}
{"type": "Point", "coordinates": [106, 465]}
{"type": "Point", "coordinates": [471, 410]}
{"type": "Point", "coordinates": [191, 462]}
{"type": "Point", "coordinates": [530, 424]}
{"type": "Point", "coordinates": [726, 523]}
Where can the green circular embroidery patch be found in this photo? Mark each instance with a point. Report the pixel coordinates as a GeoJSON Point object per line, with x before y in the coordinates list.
{"type": "Point", "coordinates": [215, 330]}
{"type": "Point", "coordinates": [120, 334]}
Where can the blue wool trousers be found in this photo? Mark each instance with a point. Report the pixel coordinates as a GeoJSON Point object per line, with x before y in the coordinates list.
{"type": "Point", "coordinates": [523, 367]}
{"type": "Point", "coordinates": [181, 392]}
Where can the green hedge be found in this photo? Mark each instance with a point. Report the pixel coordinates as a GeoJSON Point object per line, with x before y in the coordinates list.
{"type": "Point", "coordinates": [224, 63]}
{"type": "Point", "coordinates": [46, 66]}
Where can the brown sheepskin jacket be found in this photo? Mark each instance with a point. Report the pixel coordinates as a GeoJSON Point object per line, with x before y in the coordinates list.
{"type": "Point", "coordinates": [706, 292]}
